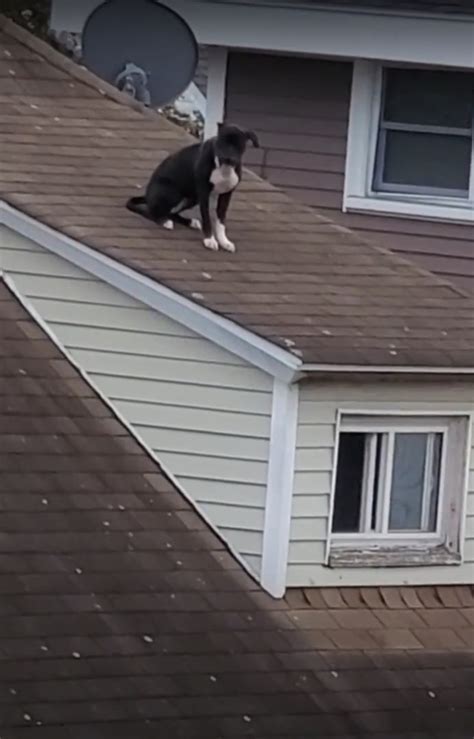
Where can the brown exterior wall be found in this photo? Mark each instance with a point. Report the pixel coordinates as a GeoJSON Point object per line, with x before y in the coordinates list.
{"type": "Point", "coordinates": [300, 108]}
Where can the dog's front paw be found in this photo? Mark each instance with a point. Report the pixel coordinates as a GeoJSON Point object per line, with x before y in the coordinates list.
{"type": "Point", "coordinates": [196, 224]}
{"type": "Point", "coordinates": [227, 245]}
{"type": "Point", "coordinates": [211, 243]}
{"type": "Point", "coordinates": [169, 225]}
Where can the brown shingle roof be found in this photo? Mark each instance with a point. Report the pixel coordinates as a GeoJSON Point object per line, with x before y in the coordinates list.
{"type": "Point", "coordinates": [122, 615]}
{"type": "Point", "coordinates": [72, 150]}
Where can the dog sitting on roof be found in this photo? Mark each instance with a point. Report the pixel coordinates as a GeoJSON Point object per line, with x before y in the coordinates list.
{"type": "Point", "coordinates": [198, 175]}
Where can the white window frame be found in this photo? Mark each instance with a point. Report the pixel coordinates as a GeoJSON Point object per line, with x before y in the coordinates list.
{"type": "Point", "coordinates": [446, 541]}
{"type": "Point", "coordinates": [359, 196]}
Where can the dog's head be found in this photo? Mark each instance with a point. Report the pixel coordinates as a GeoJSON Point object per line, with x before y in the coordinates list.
{"type": "Point", "coordinates": [231, 142]}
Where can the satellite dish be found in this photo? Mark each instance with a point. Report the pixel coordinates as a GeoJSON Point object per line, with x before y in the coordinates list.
{"type": "Point", "coordinates": [141, 47]}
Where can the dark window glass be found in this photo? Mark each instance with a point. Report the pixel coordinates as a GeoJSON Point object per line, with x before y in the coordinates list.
{"type": "Point", "coordinates": [429, 97]}
{"type": "Point", "coordinates": [427, 160]}
{"type": "Point", "coordinates": [350, 471]}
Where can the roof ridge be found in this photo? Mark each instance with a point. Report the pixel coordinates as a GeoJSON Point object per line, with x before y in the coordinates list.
{"type": "Point", "coordinates": [55, 57]}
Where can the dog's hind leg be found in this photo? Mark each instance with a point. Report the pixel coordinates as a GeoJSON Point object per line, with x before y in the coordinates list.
{"type": "Point", "coordinates": [177, 217]}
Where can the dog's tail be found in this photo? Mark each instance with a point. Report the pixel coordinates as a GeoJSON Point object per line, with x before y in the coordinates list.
{"type": "Point", "coordinates": [137, 205]}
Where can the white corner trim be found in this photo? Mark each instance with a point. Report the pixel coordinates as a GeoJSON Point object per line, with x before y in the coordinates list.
{"type": "Point", "coordinates": [332, 492]}
{"type": "Point", "coordinates": [279, 495]}
{"type": "Point", "coordinates": [358, 196]}
{"type": "Point", "coordinates": [28, 306]}
{"type": "Point", "coordinates": [216, 89]}
{"type": "Point", "coordinates": [225, 333]}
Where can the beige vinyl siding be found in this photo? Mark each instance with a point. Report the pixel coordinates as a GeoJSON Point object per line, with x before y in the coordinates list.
{"type": "Point", "coordinates": [203, 411]}
{"type": "Point", "coordinates": [315, 444]}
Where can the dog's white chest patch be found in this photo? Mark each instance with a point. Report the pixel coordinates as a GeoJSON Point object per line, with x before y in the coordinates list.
{"type": "Point", "coordinates": [224, 178]}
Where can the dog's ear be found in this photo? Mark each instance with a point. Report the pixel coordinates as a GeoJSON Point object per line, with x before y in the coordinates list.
{"type": "Point", "coordinates": [252, 136]}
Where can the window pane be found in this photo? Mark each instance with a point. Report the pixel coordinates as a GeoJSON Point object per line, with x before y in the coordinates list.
{"type": "Point", "coordinates": [434, 480]}
{"type": "Point", "coordinates": [350, 472]}
{"type": "Point", "coordinates": [426, 160]}
{"type": "Point", "coordinates": [429, 97]}
{"type": "Point", "coordinates": [406, 500]}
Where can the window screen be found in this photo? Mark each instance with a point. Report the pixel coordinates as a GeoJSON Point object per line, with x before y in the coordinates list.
{"type": "Point", "coordinates": [425, 137]}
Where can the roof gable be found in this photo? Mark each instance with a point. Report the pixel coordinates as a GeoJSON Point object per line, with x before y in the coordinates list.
{"type": "Point", "coordinates": [71, 156]}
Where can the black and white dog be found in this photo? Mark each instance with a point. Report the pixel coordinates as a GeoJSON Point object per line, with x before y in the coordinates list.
{"type": "Point", "coordinates": [196, 175]}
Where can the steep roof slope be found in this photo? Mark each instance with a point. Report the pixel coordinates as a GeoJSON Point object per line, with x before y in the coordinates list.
{"type": "Point", "coordinates": [122, 615]}
{"type": "Point", "coordinates": [72, 150]}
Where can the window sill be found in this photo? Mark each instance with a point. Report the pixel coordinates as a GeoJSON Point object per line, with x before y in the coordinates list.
{"type": "Point", "coordinates": [392, 557]}
{"type": "Point", "coordinates": [410, 208]}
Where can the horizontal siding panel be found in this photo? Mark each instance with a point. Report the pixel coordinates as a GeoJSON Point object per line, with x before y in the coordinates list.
{"type": "Point", "coordinates": [286, 177]}
{"type": "Point", "coordinates": [126, 365]}
{"type": "Point", "coordinates": [316, 163]}
{"type": "Point", "coordinates": [85, 291]}
{"type": "Point", "coordinates": [215, 468]}
{"type": "Point", "coordinates": [308, 530]}
{"type": "Point", "coordinates": [310, 506]}
{"type": "Point", "coordinates": [312, 483]}
{"type": "Point", "coordinates": [39, 263]}
{"type": "Point", "coordinates": [334, 109]}
{"type": "Point", "coordinates": [447, 264]}
{"type": "Point", "coordinates": [182, 394]}
{"type": "Point", "coordinates": [469, 553]}
{"type": "Point", "coordinates": [445, 231]}
{"type": "Point", "coordinates": [271, 123]}
{"type": "Point", "coordinates": [329, 202]}
{"type": "Point", "coordinates": [470, 513]}
{"type": "Point", "coordinates": [103, 316]}
{"type": "Point", "coordinates": [314, 460]}
{"type": "Point", "coordinates": [233, 493]}
{"type": "Point", "coordinates": [137, 343]}
{"type": "Point", "coordinates": [307, 552]}
{"type": "Point", "coordinates": [315, 435]}
{"type": "Point", "coordinates": [195, 419]}
{"type": "Point", "coordinates": [251, 519]}
{"type": "Point", "coordinates": [219, 445]}
{"type": "Point", "coordinates": [425, 246]}
{"type": "Point", "coordinates": [254, 562]}
{"type": "Point", "coordinates": [13, 239]}
{"type": "Point", "coordinates": [246, 542]}
{"type": "Point", "coordinates": [303, 143]}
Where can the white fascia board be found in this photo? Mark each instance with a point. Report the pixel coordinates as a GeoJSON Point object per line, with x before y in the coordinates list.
{"type": "Point", "coordinates": [223, 332]}
{"type": "Point", "coordinates": [354, 33]}
{"type": "Point", "coordinates": [279, 494]}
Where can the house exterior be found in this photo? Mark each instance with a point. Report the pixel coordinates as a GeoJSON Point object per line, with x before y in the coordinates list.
{"type": "Point", "coordinates": [352, 121]}
{"type": "Point", "coordinates": [124, 615]}
{"type": "Point", "coordinates": [311, 395]}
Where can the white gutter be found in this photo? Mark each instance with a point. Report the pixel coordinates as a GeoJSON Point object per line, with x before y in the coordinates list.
{"type": "Point", "coordinates": [386, 369]}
